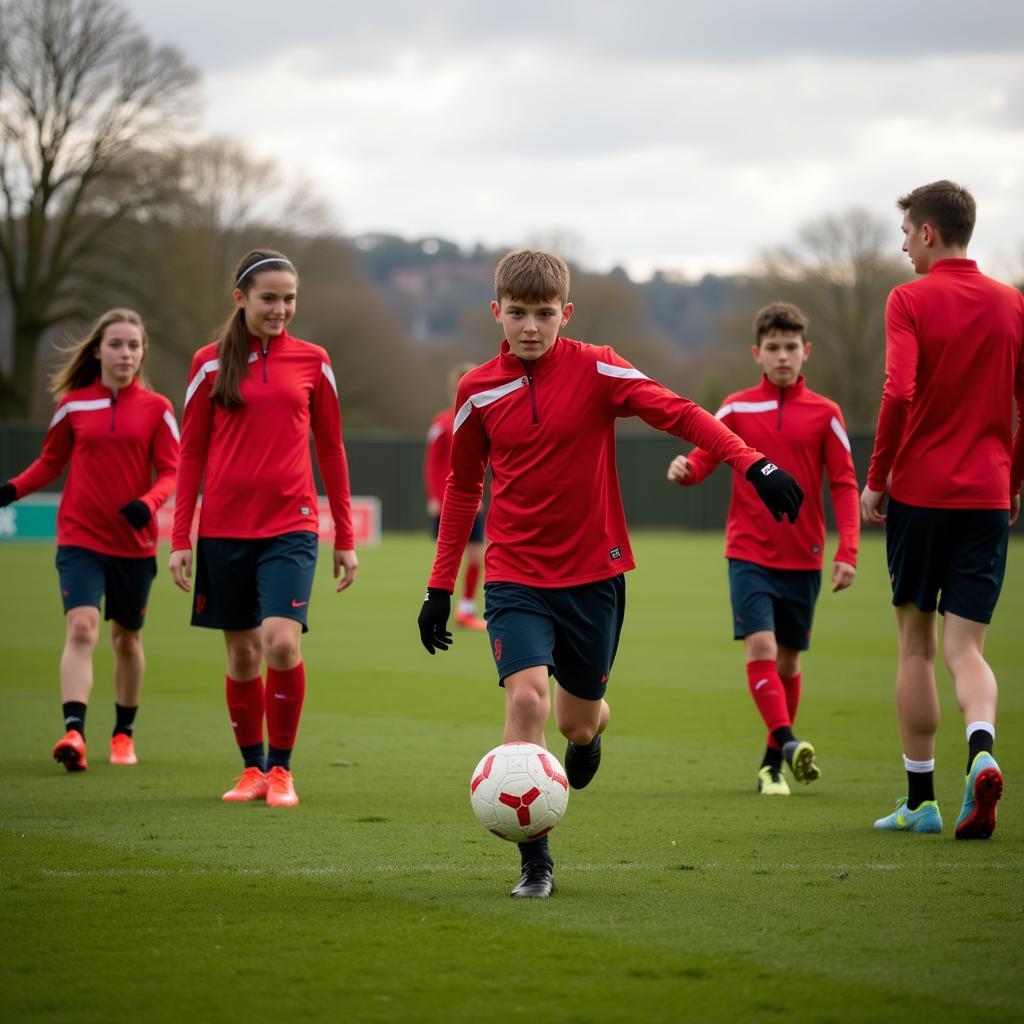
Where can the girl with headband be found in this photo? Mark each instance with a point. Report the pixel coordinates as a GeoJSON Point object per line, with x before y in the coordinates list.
{"type": "Point", "coordinates": [253, 396]}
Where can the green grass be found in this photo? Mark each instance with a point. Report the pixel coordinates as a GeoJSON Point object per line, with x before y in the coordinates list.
{"type": "Point", "coordinates": [131, 894]}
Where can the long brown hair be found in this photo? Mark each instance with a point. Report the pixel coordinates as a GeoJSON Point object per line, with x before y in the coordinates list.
{"type": "Point", "coordinates": [233, 336]}
{"type": "Point", "coordinates": [79, 367]}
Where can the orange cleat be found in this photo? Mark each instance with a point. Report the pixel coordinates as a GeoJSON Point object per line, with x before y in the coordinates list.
{"type": "Point", "coordinates": [70, 751]}
{"type": "Point", "coordinates": [470, 621]}
{"type": "Point", "coordinates": [250, 785]}
{"type": "Point", "coordinates": [281, 790]}
{"type": "Point", "coordinates": [122, 749]}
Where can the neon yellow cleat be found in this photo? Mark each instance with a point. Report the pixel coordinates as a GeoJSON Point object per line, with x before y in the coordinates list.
{"type": "Point", "coordinates": [771, 782]}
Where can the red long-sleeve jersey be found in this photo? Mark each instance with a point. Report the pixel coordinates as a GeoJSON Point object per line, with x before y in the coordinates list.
{"type": "Point", "coordinates": [797, 428]}
{"type": "Point", "coordinates": [954, 363]}
{"type": "Point", "coordinates": [437, 458]}
{"type": "Point", "coordinates": [115, 441]}
{"type": "Point", "coordinates": [254, 461]}
{"type": "Point", "coordinates": [547, 427]}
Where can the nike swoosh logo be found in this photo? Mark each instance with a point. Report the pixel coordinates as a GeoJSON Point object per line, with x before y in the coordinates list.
{"type": "Point", "coordinates": [298, 604]}
{"type": "Point", "coordinates": [281, 696]}
{"type": "Point", "coordinates": [760, 684]}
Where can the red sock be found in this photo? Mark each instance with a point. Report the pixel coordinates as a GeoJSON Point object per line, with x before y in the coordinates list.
{"type": "Point", "coordinates": [769, 696]}
{"type": "Point", "coordinates": [245, 706]}
{"type": "Point", "coordinates": [286, 690]}
{"type": "Point", "coordinates": [470, 581]}
{"type": "Point", "coordinates": [791, 684]}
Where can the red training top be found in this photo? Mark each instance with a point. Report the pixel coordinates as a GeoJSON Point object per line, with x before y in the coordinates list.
{"type": "Point", "coordinates": [256, 461]}
{"type": "Point", "coordinates": [436, 460]}
{"type": "Point", "coordinates": [803, 431]}
{"type": "Point", "coordinates": [114, 440]}
{"type": "Point", "coordinates": [548, 429]}
{"type": "Point", "coordinates": [954, 362]}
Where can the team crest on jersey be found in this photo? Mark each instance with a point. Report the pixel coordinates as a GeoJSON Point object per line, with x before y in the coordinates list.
{"type": "Point", "coordinates": [497, 649]}
{"type": "Point", "coordinates": [615, 553]}
{"type": "Point", "coordinates": [304, 510]}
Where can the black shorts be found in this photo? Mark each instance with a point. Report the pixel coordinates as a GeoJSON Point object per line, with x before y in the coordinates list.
{"type": "Point", "coordinates": [86, 575]}
{"type": "Point", "coordinates": [239, 583]}
{"type": "Point", "coordinates": [778, 600]}
{"type": "Point", "coordinates": [574, 631]}
{"type": "Point", "coordinates": [958, 552]}
{"type": "Point", "coordinates": [476, 535]}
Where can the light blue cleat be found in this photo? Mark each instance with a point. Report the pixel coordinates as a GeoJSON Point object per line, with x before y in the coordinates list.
{"type": "Point", "coordinates": [981, 794]}
{"type": "Point", "coordinates": [925, 819]}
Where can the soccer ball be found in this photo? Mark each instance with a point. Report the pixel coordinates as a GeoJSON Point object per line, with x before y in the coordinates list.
{"type": "Point", "coordinates": [519, 791]}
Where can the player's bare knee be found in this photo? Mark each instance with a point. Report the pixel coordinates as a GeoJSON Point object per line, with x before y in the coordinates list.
{"type": "Point", "coordinates": [761, 646]}
{"type": "Point", "coordinates": [244, 657]}
{"type": "Point", "coordinates": [528, 702]}
{"type": "Point", "coordinates": [127, 643]}
{"type": "Point", "coordinates": [580, 733]}
{"type": "Point", "coordinates": [83, 628]}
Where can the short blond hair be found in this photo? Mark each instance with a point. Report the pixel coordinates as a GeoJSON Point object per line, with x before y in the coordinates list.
{"type": "Point", "coordinates": [530, 275]}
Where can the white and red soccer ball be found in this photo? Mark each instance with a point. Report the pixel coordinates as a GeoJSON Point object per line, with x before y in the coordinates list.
{"type": "Point", "coordinates": [519, 791]}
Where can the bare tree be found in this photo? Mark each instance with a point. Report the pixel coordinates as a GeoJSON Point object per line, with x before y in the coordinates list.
{"type": "Point", "coordinates": [840, 272]}
{"type": "Point", "coordinates": [86, 103]}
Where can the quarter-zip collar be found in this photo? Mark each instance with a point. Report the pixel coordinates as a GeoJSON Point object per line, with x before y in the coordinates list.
{"type": "Point", "coordinates": [786, 392]}
{"type": "Point", "coordinates": [531, 367]}
{"type": "Point", "coordinates": [262, 349]}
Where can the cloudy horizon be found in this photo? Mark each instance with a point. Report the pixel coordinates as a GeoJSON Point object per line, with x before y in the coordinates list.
{"type": "Point", "coordinates": [687, 138]}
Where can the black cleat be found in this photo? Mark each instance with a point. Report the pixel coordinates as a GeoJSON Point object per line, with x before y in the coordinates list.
{"type": "Point", "coordinates": [537, 882]}
{"type": "Point", "coordinates": [582, 762]}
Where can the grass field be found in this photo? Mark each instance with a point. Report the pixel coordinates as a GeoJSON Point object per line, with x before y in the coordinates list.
{"type": "Point", "coordinates": [135, 894]}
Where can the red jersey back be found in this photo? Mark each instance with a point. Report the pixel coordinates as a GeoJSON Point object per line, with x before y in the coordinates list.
{"type": "Point", "coordinates": [803, 431]}
{"type": "Point", "coordinates": [114, 440]}
{"type": "Point", "coordinates": [254, 460]}
{"type": "Point", "coordinates": [547, 427]}
{"type": "Point", "coordinates": [954, 362]}
{"type": "Point", "coordinates": [437, 458]}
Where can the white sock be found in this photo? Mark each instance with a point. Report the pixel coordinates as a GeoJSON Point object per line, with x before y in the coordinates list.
{"type": "Point", "coordinates": [919, 767]}
{"type": "Point", "coordinates": [978, 726]}
{"type": "Point", "coordinates": [466, 606]}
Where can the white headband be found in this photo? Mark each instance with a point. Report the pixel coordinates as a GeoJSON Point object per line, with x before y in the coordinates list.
{"type": "Point", "coordinates": [259, 263]}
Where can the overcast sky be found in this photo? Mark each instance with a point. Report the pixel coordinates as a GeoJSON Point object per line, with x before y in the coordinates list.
{"type": "Point", "coordinates": [683, 136]}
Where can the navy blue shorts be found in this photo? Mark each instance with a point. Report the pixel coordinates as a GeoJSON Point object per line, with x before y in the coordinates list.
{"type": "Point", "coordinates": [476, 535]}
{"type": "Point", "coordinates": [574, 631]}
{"type": "Point", "coordinates": [778, 600]}
{"type": "Point", "coordinates": [960, 552]}
{"type": "Point", "coordinates": [86, 575]}
{"type": "Point", "coordinates": [239, 583]}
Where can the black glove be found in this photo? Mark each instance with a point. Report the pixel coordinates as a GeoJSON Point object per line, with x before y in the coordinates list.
{"type": "Point", "coordinates": [8, 492]}
{"type": "Point", "coordinates": [433, 620]}
{"type": "Point", "coordinates": [137, 513]}
{"type": "Point", "coordinates": [777, 489]}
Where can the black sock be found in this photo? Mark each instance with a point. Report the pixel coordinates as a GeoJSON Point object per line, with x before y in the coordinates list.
{"type": "Point", "coordinates": [535, 850]}
{"type": "Point", "coordinates": [125, 719]}
{"type": "Point", "coordinates": [981, 740]}
{"type": "Point", "coordinates": [920, 787]}
{"type": "Point", "coordinates": [278, 758]}
{"type": "Point", "coordinates": [783, 735]}
{"type": "Point", "coordinates": [772, 757]}
{"type": "Point", "coordinates": [252, 757]}
{"type": "Point", "coordinates": [74, 716]}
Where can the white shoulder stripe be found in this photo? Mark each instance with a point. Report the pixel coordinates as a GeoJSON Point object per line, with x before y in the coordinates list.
{"type": "Point", "coordinates": [83, 406]}
{"type": "Point", "coordinates": [210, 366]}
{"type": "Point", "coordinates": [193, 385]}
{"type": "Point", "coordinates": [329, 374]}
{"type": "Point", "coordinates": [482, 398]}
{"type": "Point", "coordinates": [755, 406]}
{"type": "Point", "coordinates": [624, 372]}
{"type": "Point", "coordinates": [435, 431]}
{"type": "Point", "coordinates": [172, 424]}
{"type": "Point", "coordinates": [837, 429]}
{"type": "Point", "coordinates": [723, 412]}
